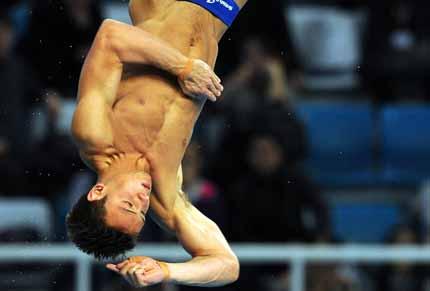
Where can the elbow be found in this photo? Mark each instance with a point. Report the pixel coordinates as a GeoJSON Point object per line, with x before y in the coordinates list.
{"type": "Point", "coordinates": [232, 268]}
{"type": "Point", "coordinates": [109, 35]}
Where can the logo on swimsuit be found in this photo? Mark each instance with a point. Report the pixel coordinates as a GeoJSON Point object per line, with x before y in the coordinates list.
{"type": "Point", "coordinates": [223, 3]}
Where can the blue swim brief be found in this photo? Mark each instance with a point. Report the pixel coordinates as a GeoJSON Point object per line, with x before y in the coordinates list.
{"type": "Point", "coordinates": [225, 10]}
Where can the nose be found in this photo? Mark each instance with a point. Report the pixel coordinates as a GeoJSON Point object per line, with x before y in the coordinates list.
{"type": "Point", "coordinates": [143, 197]}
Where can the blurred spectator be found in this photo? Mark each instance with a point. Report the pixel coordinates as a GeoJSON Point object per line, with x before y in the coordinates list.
{"type": "Point", "coordinates": [60, 34]}
{"type": "Point", "coordinates": [53, 160]}
{"type": "Point", "coordinates": [272, 202]}
{"type": "Point", "coordinates": [18, 90]}
{"type": "Point", "coordinates": [421, 211]}
{"type": "Point", "coordinates": [202, 192]}
{"type": "Point", "coordinates": [401, 276]}
{"type": "Point", "coordinates": [326, 278]}
{"type": "Point", "coordinates": [262, 18]}
{"type": "Point", "coordinates": [397, 49]}
{"type": "Point", "coordinates": [256, 97]}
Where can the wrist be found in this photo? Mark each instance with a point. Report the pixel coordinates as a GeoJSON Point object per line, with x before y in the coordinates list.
{"type": "Point", "coordinates": [186, 69]}
{"type": "Point", "coordinates": [165, 267]}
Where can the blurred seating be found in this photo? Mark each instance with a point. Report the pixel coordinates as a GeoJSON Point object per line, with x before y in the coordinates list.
{"type": "Point", "coordinates": [117, 11]}
{"type": "Point", "coordinates": [340, 142]}
{"type": "Point", "coordinates": [25, 220]}
{"type": "Point", "coordinates": [405, 144]}
{"type": "Point", "coordinates": [327, 40]}
{"type": "Point", "coordinates": [348, 219]}
{"type": "Point", "coordinates": [21, 215]}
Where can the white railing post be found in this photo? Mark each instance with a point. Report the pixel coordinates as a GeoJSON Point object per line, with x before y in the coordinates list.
{"type": "Point", "coordinates": [297, 274]}
{"type": "Point", "coordinates": [296, 255]}
{"type": "Point", "coordinates": [83, 274]}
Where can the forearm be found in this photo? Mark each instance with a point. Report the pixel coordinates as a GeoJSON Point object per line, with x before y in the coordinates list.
{"type": "Point", "coordinates": [134, 45]}
{"type": "Point", "coordinates": [213, 263]}
{"type": "Point", "coordinates": [205, 271]}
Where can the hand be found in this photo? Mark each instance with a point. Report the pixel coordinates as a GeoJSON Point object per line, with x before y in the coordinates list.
{"type": "Point", "coordinates": [200, 81]}
{"type": "Point", "coordinates": [141, 271]}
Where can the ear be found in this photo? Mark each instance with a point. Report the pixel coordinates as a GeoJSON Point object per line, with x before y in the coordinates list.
{"type": "Point", "coordinates": [96, 193]}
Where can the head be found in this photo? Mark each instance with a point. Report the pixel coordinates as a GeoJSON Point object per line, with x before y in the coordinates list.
{"type": "Point", "coordinates": [265, 154]}
{"type": "Point", "coordinates": [107, 220]}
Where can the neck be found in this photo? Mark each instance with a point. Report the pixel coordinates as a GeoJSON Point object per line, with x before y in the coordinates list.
{"type": "Point", "coordinates": [123, 163]}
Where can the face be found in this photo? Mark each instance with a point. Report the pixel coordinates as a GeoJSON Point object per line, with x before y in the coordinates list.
{"type": "Point", "coordinates": [265, 155]}
{"type": "Point", "coordinates": [254, 51]}
{"type": "Point", "coordinates": [127, 201]}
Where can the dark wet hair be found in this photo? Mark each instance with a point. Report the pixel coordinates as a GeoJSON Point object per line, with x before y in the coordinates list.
{"type": "Point", "coordinates": [87, 228]}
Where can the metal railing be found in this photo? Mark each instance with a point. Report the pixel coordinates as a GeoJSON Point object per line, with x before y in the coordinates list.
{"type": "Point", "coordinates": [297, 256]}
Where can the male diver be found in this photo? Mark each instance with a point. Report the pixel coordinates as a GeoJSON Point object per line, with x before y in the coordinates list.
{"type": "Point", "coordinates": [141, 91]}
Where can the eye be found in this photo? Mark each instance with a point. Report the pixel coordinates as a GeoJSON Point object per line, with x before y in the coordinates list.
{"type": "Point", "coordinates": [129, 204]}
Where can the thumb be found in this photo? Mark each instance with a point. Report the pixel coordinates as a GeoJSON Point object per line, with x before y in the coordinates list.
{"type": "Point", "coordinates": [112, 267]}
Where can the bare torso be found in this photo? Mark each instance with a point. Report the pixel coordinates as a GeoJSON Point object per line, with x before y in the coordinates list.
{"type": "Point", "coordinates": [151, 116]}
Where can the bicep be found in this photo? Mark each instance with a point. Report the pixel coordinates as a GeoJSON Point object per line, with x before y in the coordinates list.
{"type": "Point", "coordinates": [98, 86]}
{"type": "Point", "coordinates": [91, 126]}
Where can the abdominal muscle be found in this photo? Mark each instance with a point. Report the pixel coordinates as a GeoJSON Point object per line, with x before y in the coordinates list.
{"type": "Point", "coordinates": [152, 116]}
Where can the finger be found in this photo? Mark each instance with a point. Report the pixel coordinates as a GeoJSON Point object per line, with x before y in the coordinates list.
{"type": "Point", "coordinates": [210, 96]}
{"type": "Point", "coordinates": [217, 83]}
{"type": "Point", "coordinates": [139, 277]}
{"type": "Point", "coordinates": [217, 91]}
{"type": "Point", "coordinates": [217, 78]}
{"type": "Point", "coordinates": [124, 274]}
{"type": "Point", "coordinates": [133, 269]}
{"type": "Point", "coordinates": [132, 275]}
{"type": "Point", "coordinates": [122, 264]}
{"type": "Point", "coordinates": [212, 88]}
{"type": "Point", "coordinates": [129, 277]}
{"type": "Point", "coordinates": [112, 267]}
{"type": "Point", "coordinates": [192, 95]}
{"type": "Point", "coordinates": [124, 270]}
{"type": "Point", "coordinates": [188, 92]}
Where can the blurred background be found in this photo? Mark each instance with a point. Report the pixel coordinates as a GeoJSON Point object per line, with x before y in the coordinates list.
{"type": "Point", "coordinates": [322, 136]}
